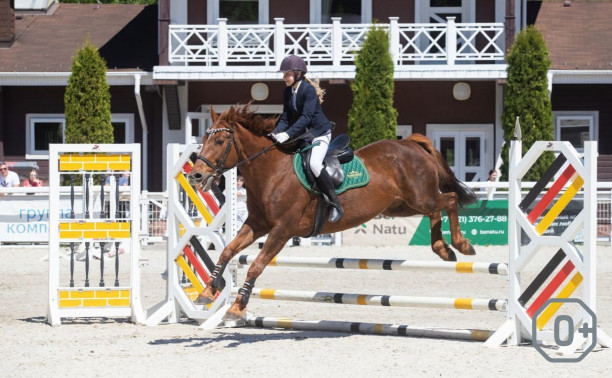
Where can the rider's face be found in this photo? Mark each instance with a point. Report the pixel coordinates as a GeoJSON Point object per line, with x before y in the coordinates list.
{"type": "Point", "coordinates": [288, 78]}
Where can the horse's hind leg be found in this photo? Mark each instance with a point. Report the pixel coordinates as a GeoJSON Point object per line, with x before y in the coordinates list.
{"type": "Point", "coordinates": [438, 244]}
{"type": "Point", "coordinates": [273, 245]}
{"type": "Point", "coordinates": [457, 240]}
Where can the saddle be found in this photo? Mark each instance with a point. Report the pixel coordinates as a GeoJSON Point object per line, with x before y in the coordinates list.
{"type": "Point", "coordinates": [338, 153]}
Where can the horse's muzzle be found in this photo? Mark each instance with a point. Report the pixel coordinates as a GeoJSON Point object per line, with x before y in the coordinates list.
{"type": "Point", "coordinates": [196, 179]}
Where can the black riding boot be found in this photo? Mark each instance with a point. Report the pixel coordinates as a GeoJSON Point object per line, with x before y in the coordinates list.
{"type": "Point", "coordinates": [327, 187]}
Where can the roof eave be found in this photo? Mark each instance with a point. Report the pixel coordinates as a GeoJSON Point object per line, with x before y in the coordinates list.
{"type": "Point", "coordinates": [416, 72]}
{"type": "Point", "coordinates": [61, 78]}
{"type": "Point", "coordinates": [581, 76]}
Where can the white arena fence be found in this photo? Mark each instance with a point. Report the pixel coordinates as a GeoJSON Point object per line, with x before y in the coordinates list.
{"type": "Point", "coordinates": [24, 214]}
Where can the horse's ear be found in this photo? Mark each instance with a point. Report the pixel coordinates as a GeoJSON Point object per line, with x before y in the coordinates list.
{"type": "Point", "coordinates": [213, 115]}
{"type": "Point", "coordinates": [231, 114]}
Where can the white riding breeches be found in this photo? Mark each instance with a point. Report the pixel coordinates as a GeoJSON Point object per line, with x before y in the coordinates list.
{"type": "Point", "coordinates": [318, 153]}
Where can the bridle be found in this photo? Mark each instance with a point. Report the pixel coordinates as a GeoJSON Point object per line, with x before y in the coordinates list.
{"type": "Point", "coordinates": [220, 168]}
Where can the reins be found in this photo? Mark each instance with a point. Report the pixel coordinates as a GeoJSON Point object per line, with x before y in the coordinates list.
{"type": "Point", "coordinates": [219, 169]}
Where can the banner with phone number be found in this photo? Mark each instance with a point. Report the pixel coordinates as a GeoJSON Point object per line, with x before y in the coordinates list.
{"type": "Point", "coordinates": [483, 223]}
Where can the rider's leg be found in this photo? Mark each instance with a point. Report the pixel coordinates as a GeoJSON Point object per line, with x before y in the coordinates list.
{"type": "Point", "coordinates": [323, 180]}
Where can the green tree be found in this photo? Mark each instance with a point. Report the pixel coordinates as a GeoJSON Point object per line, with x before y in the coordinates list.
{"type": "Point", "coordinates": [372, 116]}
{"type": "Point", "coordinates": [87, 99]}
{"type": "Point", "coordinates": [527, 97]}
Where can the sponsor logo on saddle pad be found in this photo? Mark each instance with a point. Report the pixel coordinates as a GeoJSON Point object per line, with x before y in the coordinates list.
{"type": "Point", "coordinates": [353, 174]}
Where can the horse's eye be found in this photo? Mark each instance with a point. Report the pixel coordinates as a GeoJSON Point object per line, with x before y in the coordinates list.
{"type": "Point", "coordinates": [219, 141]}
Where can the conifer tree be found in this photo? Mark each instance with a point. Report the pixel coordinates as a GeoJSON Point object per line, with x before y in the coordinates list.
{"type": "Point", "coordinates": [87, 99]}
{"type": "Point", "coordinates": [527, 97]}
{"type": "Point", "coordinates": [372, 116]}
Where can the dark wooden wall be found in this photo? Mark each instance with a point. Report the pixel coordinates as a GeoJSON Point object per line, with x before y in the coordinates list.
{"type": "Point", "coordinates": [417, 102]}
{"type": "Point", "coordinates": [590, 97]}
{"type": "Point", "coordinates": [298, 11]}
{"type": "Point", "coordinates": [593, 97]}
{"type": "Point", "coordinates": [50, 100]}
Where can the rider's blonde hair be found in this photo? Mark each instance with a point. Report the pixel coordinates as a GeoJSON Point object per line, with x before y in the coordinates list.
{"type": "Point", "coordinates": [320, 91]}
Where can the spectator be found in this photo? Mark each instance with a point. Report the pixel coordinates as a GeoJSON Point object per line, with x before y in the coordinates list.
{"type": "Point", "coordinates": [124, 179]}
{"type": "Point", "coordinates": [492, 178]}
{"type": "Point", "coordinates": [33, 180]}
{"type": "Point", "coordinates": [241, 208]}
{"type": "Point", "coordinates": [492, 175]}
{"type": "Point", "coordinates": [8, 178]}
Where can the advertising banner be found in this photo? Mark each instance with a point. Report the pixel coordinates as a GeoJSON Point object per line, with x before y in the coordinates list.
{"type": "Point", "coordinates": [26, 218]}
{"type": "Point", "coordinates": [382, 231]}
{"type": "Point", "coordinates": [483, 223]}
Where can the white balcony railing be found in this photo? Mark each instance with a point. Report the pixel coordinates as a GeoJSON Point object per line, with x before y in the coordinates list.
{"type": "Point", "coordinates": [333, 44]}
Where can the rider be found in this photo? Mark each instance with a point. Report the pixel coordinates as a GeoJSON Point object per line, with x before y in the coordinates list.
{"type": "Point", "coordinates": [303, 118]}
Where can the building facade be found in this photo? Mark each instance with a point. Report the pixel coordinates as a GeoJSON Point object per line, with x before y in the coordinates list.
{"type": "Point", "coordinates": [169, 63]}
{"type": "Point", "coordinates": [448, 55]}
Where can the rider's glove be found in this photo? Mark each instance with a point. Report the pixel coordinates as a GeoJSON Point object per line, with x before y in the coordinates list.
{"type": "Point", "coordinates": [281, 137]}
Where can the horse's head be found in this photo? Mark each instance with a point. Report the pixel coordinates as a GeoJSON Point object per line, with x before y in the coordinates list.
{"type": "Point", "coordinates": [234, 135]}
{"type": "Point", "coordinates": [218, 150]}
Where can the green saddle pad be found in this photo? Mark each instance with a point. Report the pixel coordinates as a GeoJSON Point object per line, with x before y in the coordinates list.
{"type": "Point", "coordinates": [355, 174]}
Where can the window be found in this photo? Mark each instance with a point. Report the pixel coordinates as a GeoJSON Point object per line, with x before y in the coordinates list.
{"type": "Point", "coordinates": [444, 3]}
{"type": "Point", "coordinates": [436, 11]}
{"type": "Point", "coordinates": [403, 131]}
{"type": "Point", "coordinates": [238, 11]}
{"type": "Point", "coordinates": [123, 125]}
{"type": "Point", "coordinates": [576, 127]}
{"type": "Point", "coordinates": [351, 11]}
{"type": "Point", "coordinates": [201, 121]}
{"type": "Point", "coordinates": [465, 149]}
{"type": "Point", "coordinates": [44, 129]}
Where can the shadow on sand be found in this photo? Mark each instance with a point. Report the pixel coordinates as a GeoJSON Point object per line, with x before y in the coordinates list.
{"type": "Point", "coordinates": [235, 339]}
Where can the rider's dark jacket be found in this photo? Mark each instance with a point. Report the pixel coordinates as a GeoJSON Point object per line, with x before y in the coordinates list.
{"type": "Point", "coordinates": [307, 117]}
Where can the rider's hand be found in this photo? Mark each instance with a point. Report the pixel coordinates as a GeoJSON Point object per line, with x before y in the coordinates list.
{"type": "Point", "coordinates": [281, 137]}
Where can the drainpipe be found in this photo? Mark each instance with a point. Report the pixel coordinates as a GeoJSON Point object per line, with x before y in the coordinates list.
{"type": "Point", "coordinates": [145, 132]}
{"type": "Point", "coordinates": [510, 23]}
{"type": "Point", "coordinates": [549, 76]}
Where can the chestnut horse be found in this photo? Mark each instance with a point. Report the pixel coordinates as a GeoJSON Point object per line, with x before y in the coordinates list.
{"type": "Point", "coordinates": [407, 177]}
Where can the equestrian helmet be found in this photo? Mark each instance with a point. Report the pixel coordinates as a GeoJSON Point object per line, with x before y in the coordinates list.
{"type": "Point", "coordinates": [293, 63]}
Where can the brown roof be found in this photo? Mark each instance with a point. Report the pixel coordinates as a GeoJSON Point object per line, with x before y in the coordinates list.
{"type": "Point", "coordinates": [579, 36]}
{"type": "Point", "coordinates": [49, 42]}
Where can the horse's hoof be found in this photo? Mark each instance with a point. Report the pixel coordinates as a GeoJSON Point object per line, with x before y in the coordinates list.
{"type": "Point", "coordinates": [204, 300]}
{"type": "Point", "coordinates": [469, 250]}
{"type": "Point", "coordinates": [234, 323]}
{"type": "Point", "coordinates": [233, 315]}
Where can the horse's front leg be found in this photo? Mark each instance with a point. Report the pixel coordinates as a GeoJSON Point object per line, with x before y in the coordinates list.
{"type": "Point", "coordinates": [273, 245]}
{"type": "Point", "coordinates": [245, 237]}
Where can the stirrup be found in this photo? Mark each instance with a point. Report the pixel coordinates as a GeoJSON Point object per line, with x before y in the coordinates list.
{"type": "Point", "coordinates": [335, 213]}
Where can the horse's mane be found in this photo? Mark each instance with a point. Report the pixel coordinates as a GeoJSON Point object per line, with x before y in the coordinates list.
{"type": "Point", "coordinates": [250, 120]}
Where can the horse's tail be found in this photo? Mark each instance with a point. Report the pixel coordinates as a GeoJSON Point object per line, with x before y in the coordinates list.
{"type": "Point", "coordinates": [447, 178]}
